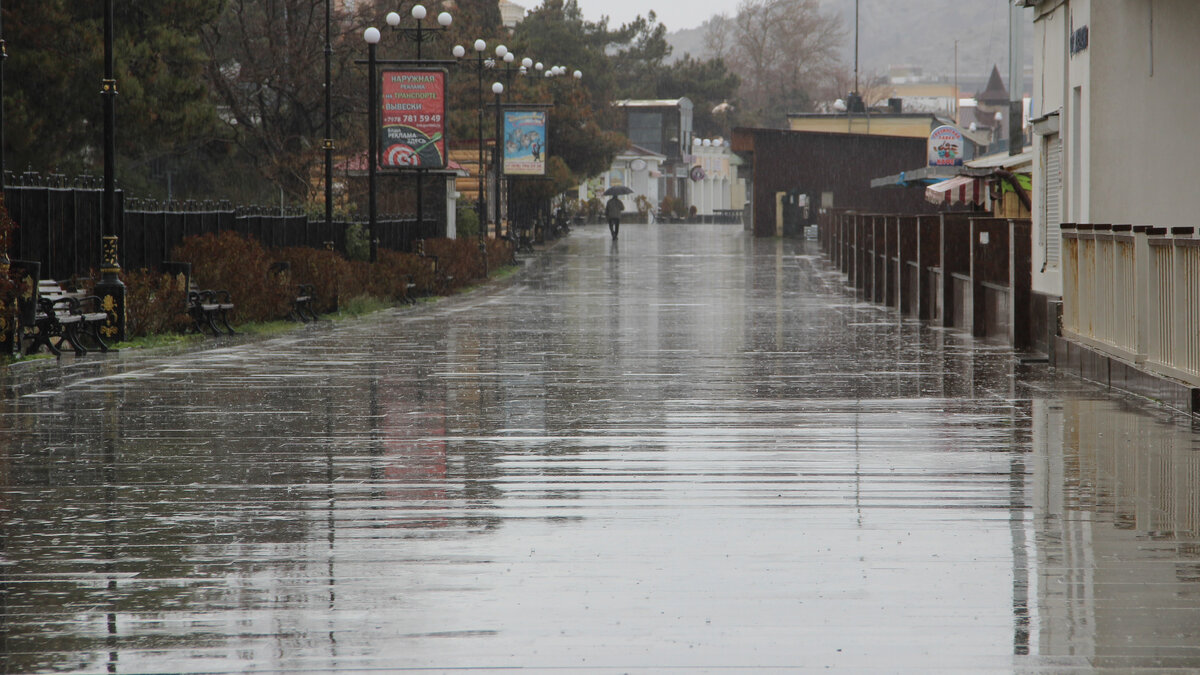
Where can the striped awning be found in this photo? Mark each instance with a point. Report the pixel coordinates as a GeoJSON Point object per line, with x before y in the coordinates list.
{"type": "Point", "coordinates": [958, 190]}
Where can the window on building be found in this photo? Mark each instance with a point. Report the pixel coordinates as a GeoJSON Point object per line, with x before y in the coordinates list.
{"type": "Point", "coordinates": [646, 129]}
{"type": "Point", "coordinates": [672, 141]}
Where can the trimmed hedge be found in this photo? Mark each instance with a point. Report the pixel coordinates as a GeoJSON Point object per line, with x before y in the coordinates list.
{"type": "Point", "coordinates": [154, 303]}
{"type": "Point", "coordinates": [239, 264]}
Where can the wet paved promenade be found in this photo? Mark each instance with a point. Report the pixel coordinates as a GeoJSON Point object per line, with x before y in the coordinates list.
{"type": "Point", "coordinates": [694, 451]}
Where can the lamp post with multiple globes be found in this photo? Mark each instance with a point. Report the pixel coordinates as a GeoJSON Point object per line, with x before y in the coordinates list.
{"type": "Point", "coordinates": [479, 65]}
{"type": "Point", "coordinates": [418, 34]}
{"type": "Point", "coordinates": [498, 153]}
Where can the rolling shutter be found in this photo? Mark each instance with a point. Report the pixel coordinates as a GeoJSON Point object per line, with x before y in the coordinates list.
{"type": "Point", "coordinates": [1052, 199]}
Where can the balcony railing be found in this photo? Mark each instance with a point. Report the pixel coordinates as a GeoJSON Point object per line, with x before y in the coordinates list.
{"type": "Point", "coordinates": [1134, 293]}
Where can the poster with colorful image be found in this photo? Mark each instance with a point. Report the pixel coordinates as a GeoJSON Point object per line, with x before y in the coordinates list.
{"type": "Point", "coordinates": [413, 119]}
{"type": "Point", "coordinates": [525, 142]}
{"type": "Point", "coordinates": [945, 147]}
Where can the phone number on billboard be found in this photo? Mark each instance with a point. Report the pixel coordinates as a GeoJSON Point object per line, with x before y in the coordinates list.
{"type": "Point", "coordinates": [419, 119]}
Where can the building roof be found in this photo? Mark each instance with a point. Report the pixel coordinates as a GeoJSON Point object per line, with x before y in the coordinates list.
{"type": "Point", "coordinates": [639, 151]}
{"type": "Point", "coordinates": [1002, 160]}
{"type": "Point", "coordinates": [654, 103]}
{"type": "Point", "coordinates": [977, 168]}
{"type": "Point", "coordinates": [511, 13]}
{"type": "Point", "coordinates": [995, 90]}
{"type": "Point", "coordinates": [874, 114]}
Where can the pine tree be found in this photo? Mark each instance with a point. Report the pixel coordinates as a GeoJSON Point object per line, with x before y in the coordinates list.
{"type": "Point", "coordinates": [53, 110]}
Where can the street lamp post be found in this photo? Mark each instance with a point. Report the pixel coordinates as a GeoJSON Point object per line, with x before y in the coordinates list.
{"type": "Point", "coordinates": [498, 90]}
{"type": "Point", "coordinates": [419, 34]}
{"type": "Point", "coordinates": [509, 58]}
{"type": "Point", "coordinates": [526, 65]}
{"type": "Point", "coordinates": [371, 35]}
{"type": "Point", "coordinates": [109, 288]}
{"type": "Point", "coordinates": [328, 142]}
{"type": "Point", "coordinates": [502, 54]}
{"type": "Point", "coordinates": [3, 58]}
{"type": "Point", "coordinates": [509, 71]}
{"type": "Point", "coordinates": [479, 65]}
{"type": "Point", "coordinates": [8, 331]}
{"type": "Point", "coordinates": [552, 74]}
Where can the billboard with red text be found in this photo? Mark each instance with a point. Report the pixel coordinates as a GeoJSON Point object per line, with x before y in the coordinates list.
{"type": "Point", "coordinates": [413, 119]}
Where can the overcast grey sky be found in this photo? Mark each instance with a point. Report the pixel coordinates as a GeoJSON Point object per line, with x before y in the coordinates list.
{"type": "Point", "coordinates": [979, 28]}
{"type": "Point", "coordinates": [674, 14]}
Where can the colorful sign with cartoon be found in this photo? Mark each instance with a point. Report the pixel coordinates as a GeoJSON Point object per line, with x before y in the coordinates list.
{"type": "Point", "coordinates": [413, 119]}
{"type": "Point", "coordinates": [525, 142]}
{"type": "Point", "coordinates": [945, 147]}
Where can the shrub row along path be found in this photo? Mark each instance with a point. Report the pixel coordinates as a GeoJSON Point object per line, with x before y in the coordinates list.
{"type": "Point", "coordinates": [685, 450]}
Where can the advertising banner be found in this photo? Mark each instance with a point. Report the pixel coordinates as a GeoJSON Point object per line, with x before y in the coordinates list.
{"type": "Point", "coordinates": [525, 142]}
{"type": "Point", "coordinates": [945, 147]}
{"type": "Point", "coordinates": [413, 119]}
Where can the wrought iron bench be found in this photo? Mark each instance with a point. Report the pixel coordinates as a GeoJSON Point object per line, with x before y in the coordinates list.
{"type": "Point", "coordinates": [208, 309]}
{"type": "Point", "coordinates": [53, 314]}
{"type": "Point", "coordinates": [442, 282]}
{"type": "Point", "coordinates": [303, 304]}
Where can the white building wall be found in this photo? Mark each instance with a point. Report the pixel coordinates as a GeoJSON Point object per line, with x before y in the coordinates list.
{"type": "Point", "coordinates": [716, 190]}
{"type": "Point", "coordinates": [1145, 59]}
{"type": "Point", "coordinates": [1061, 84]}
{"type": "Point", "coordinates": [1127, 122]}
{"type": "Point", "coordinates": [1077, 127]}
{"type": "Point", "coordinates": [644, 180]}
{"type": "Point", "coordinates": [1050, 70]}
{"type": "Point", "coordinates": [1128, 105]}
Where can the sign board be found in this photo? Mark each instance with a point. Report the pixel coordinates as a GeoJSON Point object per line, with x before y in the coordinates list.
{"type": "Point", "coordinates": [525, 142]}
{"type": "Point", "coordinates": [413, 119]}
{"type": "Point", "coordinates": [946, 147]}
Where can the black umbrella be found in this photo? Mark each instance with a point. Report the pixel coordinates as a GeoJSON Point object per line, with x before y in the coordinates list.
{"type": "Point", "coordinates": [617, 190]}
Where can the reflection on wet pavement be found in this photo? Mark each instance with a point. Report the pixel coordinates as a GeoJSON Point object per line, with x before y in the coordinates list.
{"type": "Point", "coordinates": [690, 450]}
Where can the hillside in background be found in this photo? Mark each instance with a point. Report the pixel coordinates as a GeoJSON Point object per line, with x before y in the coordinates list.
{"type": "Point", "coordinates": [913, 32]}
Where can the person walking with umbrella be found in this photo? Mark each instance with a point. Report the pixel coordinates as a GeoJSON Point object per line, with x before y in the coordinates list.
{"type": "Point", "coordinates": [614, 208]}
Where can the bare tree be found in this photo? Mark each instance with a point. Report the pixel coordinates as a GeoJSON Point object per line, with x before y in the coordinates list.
{"type": "Point", "coordinates": [873, 86]}
{"type": "Point", "coordinates": [783, 51]}
{"type": "Point", "coordinates": [266, 60]}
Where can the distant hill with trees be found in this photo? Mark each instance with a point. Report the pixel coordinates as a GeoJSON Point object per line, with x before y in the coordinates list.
{"type": "Point", "coordinates": [907, 32]}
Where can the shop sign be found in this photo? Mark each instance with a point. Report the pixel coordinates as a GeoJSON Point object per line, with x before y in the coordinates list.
{"type": "Point", "coordinates": [946, 147]}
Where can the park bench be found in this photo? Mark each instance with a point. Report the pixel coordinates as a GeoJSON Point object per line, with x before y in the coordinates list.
{"type": "Point", "coordinates": [727, 215]}
{"type": "Point", "coordinates": [208, 309]}
{"type": "Point", "coordinates": [523, 239]}
{"type": "Point", "coordinates": [560, 226]}
{"type": "Point", "coordinates": [442, 282]}
{"type": "Point", "coordinates": [55, 313]}
{"type": "Point", "coordinates": [303, 303]}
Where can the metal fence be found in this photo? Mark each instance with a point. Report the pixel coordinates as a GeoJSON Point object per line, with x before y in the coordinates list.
{"type": "Point", "coordinates": [953, 269]}
{"type": "Point", "coordinates": [59, 224]}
